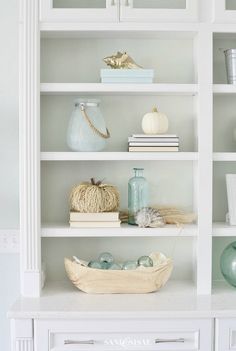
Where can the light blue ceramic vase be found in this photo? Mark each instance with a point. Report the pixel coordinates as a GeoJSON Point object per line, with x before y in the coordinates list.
{"type": "Point", "coordinates": [80, 135]}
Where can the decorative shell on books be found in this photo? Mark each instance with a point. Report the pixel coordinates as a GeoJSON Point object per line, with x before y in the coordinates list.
{"type": "Point", "coordinates": [106, 281]}
{"type": "Point", "coordinates": [94, 197]}
{"type": "Point", "coordinates": [155, 122]}
{"type": "Point", "coordinates": [121, 60]}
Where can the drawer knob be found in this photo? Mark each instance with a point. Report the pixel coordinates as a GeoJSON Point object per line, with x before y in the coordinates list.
{"type": "Point", "coordinates": [162, 341]}
{"type": "Point", "coordinates": [79, 342]}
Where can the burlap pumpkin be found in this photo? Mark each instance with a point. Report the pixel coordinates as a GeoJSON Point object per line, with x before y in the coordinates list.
{"type": "Point", "coordinates": [94, 197]}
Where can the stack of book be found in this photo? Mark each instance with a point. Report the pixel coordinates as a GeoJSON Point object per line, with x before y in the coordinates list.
{"type": "Point", "coordinates": [94, 220]}
{"type": "Point", "coordinates": [153, 143]}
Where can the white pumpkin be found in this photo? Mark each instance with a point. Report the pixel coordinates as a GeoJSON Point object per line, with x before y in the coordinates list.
{"type": "Point", "coordinates": [155, 122]}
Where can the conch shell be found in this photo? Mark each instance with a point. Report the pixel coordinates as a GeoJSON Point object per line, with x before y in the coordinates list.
{"type": "Point", "coordinates": [120, 60]}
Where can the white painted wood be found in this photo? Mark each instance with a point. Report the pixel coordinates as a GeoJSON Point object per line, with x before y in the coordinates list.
{"type": "Point", "coordinates": [129, 334]}
{"type": "Point", "coordinates": [29, 150]}
{"type": "Point", "coordinates": [205, 108]}
{"type": "Point", "coordinates": [224, 156]}
{"type": "Point", "coordinates": [63, 230]}
{"type": "Point", "coordinates": [119, 156]}
{"type": "Point", "coordinates": [225, 334]}
{"type": "Point", "coordinates": [129, 13]}
{"type": "Point", "coordinates": [178, 299]}
{"type": "Point", "coordinates": [120, 30]}
{"type": "Point", "coordinates": [221, 14]}
{"type": "Point", "coordinates": [224, 89]}
{"type": "Point", "coordinates": [51, 14]}
{"type": "Point", "coordinates": [221, 229]}
{"type": "Point", "coordinates": [22, 335]}
{"type": "Point", "coordinates": [121, 89]}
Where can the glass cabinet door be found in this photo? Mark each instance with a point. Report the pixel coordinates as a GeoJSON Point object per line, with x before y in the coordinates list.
{"type": "Point", "coordinates": [159, 10]}
{"type": "Point", "coordinates": [79, 10]}
{"type": "Point", "coordinates": [225, 11]}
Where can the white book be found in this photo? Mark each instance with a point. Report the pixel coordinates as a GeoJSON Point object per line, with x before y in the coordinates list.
{"type": "Point", "coordinates": [97, 217]}
{"type": "Point", "coordinates": [153, 149]}
{"type": "Point", "coordinates": [154, 136]}
{"type": "Point", "coordinates": [153, 140]}
{"type": "Point", "coordinates": [114, 224]}
{"type": "Point", "coordinates": [153, 144]}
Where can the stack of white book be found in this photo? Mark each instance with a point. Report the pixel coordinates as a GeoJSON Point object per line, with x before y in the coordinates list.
{"type": "Point", "coordinates": [94, 220]}
{"type": "Point", "coordinates": [153, 143]}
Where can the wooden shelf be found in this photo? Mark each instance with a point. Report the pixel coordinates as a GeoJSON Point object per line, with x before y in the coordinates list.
{"type": "Point", "coordinates": [63, 230]}
{"type": "Point", "coordinates": [224, 156]}
{"type": "Point", "coordinates": [221, 229]}
{"type": "Point", "coordinates": [119, 156]}
{"type": "Point", "coordinates": [111, 89]}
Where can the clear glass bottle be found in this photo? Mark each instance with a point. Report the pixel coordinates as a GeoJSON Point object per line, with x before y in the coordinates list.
{"type": "Point", "coordinates": [137, 194]}
{"type": "Point", "coordinates": [80, 135]}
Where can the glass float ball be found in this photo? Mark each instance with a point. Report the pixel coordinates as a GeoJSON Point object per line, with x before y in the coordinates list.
{"type": "Point", "coordinates": [128, 265]}
{"type": "Point", "coordinates": [228, 263]}
{"type": "Point", "coordinates": [115, 266]}
{"type": "Point", "coordinates": [106, 257]}
{"type": "Point", "coordinates": [95, 264]}
{"type": "Point", "coordinates": [145, 261]}
{"type": "Point", "coordinates": [105, 265]}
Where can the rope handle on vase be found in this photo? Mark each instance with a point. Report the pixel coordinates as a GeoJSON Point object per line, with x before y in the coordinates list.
{"type": "Point", "coordinates": [92, 126]}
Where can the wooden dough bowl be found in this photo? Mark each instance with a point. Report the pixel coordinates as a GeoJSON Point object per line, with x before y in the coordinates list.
{"type": "Point", "coordinates": [139, 281]}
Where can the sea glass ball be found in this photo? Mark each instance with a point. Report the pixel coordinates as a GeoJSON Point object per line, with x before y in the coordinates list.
{"type": "Point", "coordinates": [95, 264]}
{"type": "Point", "coordinates": [115, 266]}
{"type": "Point", "coordinates": [105, 265]}
{"type": "Point", "coordinates": [145, 261]}
{"type": "Point", "coordinates": [129, 265]}
{"type": "Point", "coordinates": [106, 257]}
{"type": "Point", "coordinates": [228, 263]}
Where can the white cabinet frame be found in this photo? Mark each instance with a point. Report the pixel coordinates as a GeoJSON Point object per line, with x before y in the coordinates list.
{"type": "Point", "coordinates": [50, 14]}
{"type": "Point", "coordinates": [129, 13]}
{"type": "Point", "coordinates": [221, 14]}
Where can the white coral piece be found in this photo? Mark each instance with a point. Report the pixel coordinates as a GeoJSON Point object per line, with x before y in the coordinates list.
{"type": "Point", "coordinates": [149, 217]}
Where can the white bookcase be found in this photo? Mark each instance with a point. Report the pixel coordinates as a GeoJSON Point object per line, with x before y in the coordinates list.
{"type": "Point", "coordinates": [62, 45]}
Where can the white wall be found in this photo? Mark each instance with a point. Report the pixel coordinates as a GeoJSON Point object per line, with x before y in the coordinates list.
{"type": "Point", "coordinates": [9, 208]}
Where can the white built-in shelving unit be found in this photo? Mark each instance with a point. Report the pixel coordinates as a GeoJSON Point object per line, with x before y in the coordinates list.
{"type": "Point", "coordinates": [61, 57]}
{"type": "Point", "coordinates": [62, 44]}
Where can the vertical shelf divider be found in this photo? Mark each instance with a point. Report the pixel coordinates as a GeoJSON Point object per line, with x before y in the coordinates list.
{"type": "Point", "coordinates": [30, 250]}
{"type": "Point", "coordinates": [205, 123]}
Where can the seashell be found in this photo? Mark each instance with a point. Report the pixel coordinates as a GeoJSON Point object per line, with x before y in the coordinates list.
{"type": "Point", "coordinates": [149, 217]}
{"type": "Point", "coordinates": [121, 60]}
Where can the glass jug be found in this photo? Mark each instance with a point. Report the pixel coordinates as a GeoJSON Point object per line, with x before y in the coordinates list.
{"type": "Point", "coordinates": [137, 194]}
{"type": "Point", "coordinates": [87, 129]}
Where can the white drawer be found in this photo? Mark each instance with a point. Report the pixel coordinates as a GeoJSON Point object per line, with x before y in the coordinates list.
{"type": "Point", "coordinates": [123, 334]}
{"type": "Point", "coordinates": [225, 334]}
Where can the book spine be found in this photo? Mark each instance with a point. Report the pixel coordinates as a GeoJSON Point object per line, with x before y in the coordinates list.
{"type": "Point", "coordinates": [154, 136]}
{"type": "Point", "coordinates": [153, 148]}
{"type": "Point", "coordinates": [153, 144]}
{"type": "Point", "coordinates": [153, 140]}
{"type": "Point", "coordinates": [99, 217]}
